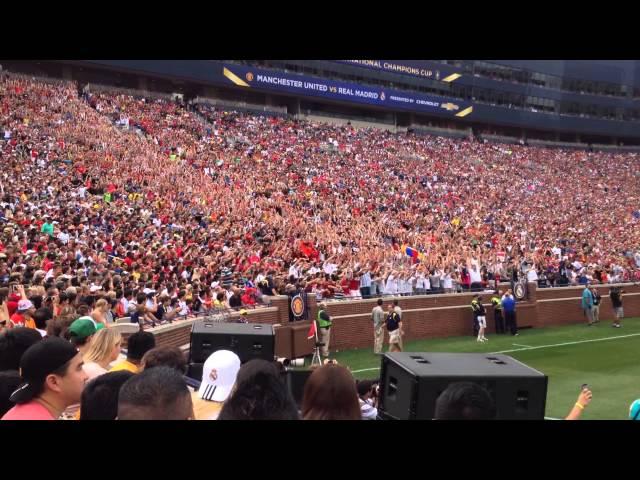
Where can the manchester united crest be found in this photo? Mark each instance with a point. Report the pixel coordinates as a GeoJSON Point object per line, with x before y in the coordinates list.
{"type": "Point", "coordinates": [297, 306]}
{"type": "Point", "coordinates": [249, 77]}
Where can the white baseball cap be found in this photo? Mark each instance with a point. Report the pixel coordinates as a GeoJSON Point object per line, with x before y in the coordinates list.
{"type": "Point", "coordinates": [219, 375]}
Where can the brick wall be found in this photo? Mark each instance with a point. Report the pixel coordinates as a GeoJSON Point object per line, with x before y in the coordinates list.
{"type": "Point", "coordinates": [426, 316]}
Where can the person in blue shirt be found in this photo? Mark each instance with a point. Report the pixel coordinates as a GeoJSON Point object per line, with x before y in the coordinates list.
{"type": "Point", "coordinates": [587, 304]}
{"type": "Point", "coordinates": [509, 310]}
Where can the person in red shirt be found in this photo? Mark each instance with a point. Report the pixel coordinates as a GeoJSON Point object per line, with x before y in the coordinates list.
{"type": "Point", "coordinates": [24, 316]}
{"type": "Point", "coordinates": [12, 303]}
{"type": "Point", "coordinates": [354, 287]}
{"type": "Point", "coordinates": [53, 380]}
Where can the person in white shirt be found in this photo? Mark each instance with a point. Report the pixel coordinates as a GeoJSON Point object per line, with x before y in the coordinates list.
{"type": "Point", "coordinates": [294, 271]}
{"type": "Point", "coordinates": [475, 277]}
{"type": "Point", "coordinates": [420, 290]}
{"type": "Point", "coordinates": [63, 236]}
{"type": "Point", "coordinates": [368, 399]}
{"type": "Point", "coordinates": [260, 277]}
{"type": "Point", "coordinates": [391, 287]}
{"type": "Point", "coordinates": [329, 268]}
{"type": "Point", "coordinates": [447, 281]}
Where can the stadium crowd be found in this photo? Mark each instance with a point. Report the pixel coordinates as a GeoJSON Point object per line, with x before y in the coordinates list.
{"type": "Point", "coordinates": [116, 196]}
{"type": "Point", "coordinates": [114, 205]}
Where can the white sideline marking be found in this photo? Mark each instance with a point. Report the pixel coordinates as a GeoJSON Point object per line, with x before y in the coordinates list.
{"type": "Point", "coordinates": [365, 370]}
{"type": "Point", "coordinates": [533, 348]}
{"type": "Point", "coordinates": [518, 345]}
{"type": "Point", "coordinates": [569, 343]}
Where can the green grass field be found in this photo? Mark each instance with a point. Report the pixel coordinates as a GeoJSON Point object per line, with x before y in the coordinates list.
{"type": "Point", "coordinates": [606, 358]}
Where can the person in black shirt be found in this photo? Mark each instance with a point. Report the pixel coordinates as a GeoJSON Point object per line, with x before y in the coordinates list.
{"type": "Point", "coordinates": [615, 294]}
{"type": "Point", "coordinates": [394, 327]}
{"type": "Point", "coordinates": [236, 299]}
{"type": "Point", "coordinates": [595, 308]}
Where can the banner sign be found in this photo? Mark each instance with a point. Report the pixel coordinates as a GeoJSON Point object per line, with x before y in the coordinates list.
{"type": "Point", "coordinates": [415, 68]}
{"type": "Point", "coordinates": [249, 77]}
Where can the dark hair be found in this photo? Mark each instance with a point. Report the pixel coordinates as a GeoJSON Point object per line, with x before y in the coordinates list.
{"type": "Point", "coordinates": [37, 301]}
{"type": "Point", "coordinates": [41, 316]}
{"type": "Point", "coordinates": [379, 302]}
{"type": "Point", "coordinates": [165, 356]}
{"type": "Point", "coordinates": [76, 341]}
{"type": "Point", "coordinates": [259, 394]}
{"type": "Point", "coordinates": [395, 302]}
{"type": "Point", "coordinates": [100, 396]}
{"type": "Point", "coordinates": [330, 394]}
{"type": "Point", "coordinates": [364, 387]}
{"type": "Point", "coordinates": [465, 401]}
{"type": "Point", "coordinates": [57, 327]}
{"type": "Point", "coordinates": [138, 344]}
{"type": "Point", "coordinates": [154, 394]}
{"type": "Point", "coordinates": [9, 382]}
{"type": "Point", "coordinates": [13, 343]}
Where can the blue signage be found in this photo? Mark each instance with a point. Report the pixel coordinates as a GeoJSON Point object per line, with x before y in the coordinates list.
{"type": "Point", "coordinates": [249, 77]}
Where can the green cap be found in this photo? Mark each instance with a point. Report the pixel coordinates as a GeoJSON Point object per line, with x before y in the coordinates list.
{"type": "Point", "coordinates": [84, 327]}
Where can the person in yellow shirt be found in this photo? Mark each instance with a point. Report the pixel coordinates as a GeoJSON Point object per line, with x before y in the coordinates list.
{"type": "Point", "coordinates": [139, 343]}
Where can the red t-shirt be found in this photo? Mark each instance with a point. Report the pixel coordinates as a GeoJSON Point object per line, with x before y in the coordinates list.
{"type": "Point", "coordinates": [28, 411]}
{"type": "Point", "coordinates": [18, 320]}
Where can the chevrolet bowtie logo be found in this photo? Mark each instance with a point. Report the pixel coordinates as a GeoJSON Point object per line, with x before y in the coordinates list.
{"type": "Point", "coordinates": [450, 106]}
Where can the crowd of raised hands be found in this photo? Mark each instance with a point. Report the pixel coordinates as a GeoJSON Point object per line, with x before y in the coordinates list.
{"type": "Point", "coordinates": [131, 193]}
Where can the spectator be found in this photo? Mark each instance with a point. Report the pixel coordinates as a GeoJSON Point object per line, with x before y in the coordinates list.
{"type": "Point", "coordinates": [465, 401]}
{"type": "Point", "coordinates": [53, 379]}
{"type": "Point", "coordinates": [158, 393]}
{"type": "Point", "coordinates": [81, 333]}
{"type": "Point", "coordinates": [137, 345]}
{"type": "Point", "coordinates": [584, 399]}
{"type": "Point", "coordinates": [24, 316]}
{"type": "Point", "coordinates": [100, 396]}
{"type": "Point", "coordinates": [13, 344]}
{"type": "Point", "coordinates": [104, 349]}
{"type": "Point", "coordinates": [259, 394]}
{"type": "Point", "coordinates": [99, 313]}
{"type": "Point", "coordinates": [165, 356]}
{"type": "Point", "coordinates": [41, 317]}
{"type": "Point", "coordinates": [368, 399]}
{"type": "Point", "coordinates": [330, 394]}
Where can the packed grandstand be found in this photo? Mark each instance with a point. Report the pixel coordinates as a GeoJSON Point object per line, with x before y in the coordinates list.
{"type": "Point", "coordinates": [124, 205]}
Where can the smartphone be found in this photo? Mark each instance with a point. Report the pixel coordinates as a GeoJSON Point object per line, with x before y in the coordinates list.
{"type": "Point", "coordinates": [585, 386]}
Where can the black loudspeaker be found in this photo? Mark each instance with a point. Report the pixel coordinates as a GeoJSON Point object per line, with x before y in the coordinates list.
{"type": "Point", "coordinates": [247, 340]}
{"type": "Point", "coordinates": [410, 384]}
